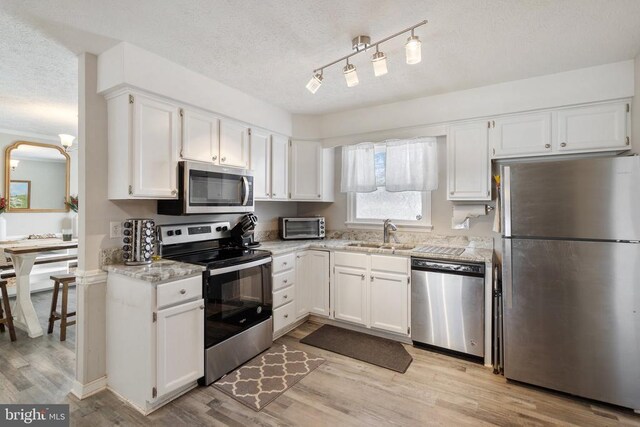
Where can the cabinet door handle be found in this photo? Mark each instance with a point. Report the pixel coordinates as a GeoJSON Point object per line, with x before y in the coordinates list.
{"type": "Point", "coordinates": [319, 195]}
{"type": "Point", "coordinates": [564, 144]}
{"type": "Point", "coordinates": [183, 291]}
{"type": "Point", "coordinates": [372, 277]}
{"type": "Point", "coordinates": [223, 159]}
{"type": "Point", "coordinates": [273, 194]}
{"type": "Point", "coordinates": [285, 296]}
{"type": "Point", "coordinates": [174, 192]}
{"type": "Point", "coordinates": [285, 281]}
{"type": "Point", "coordinates": [202, 307]}
{"type": "Point", "coordinates": [214, 158]}
{"type": "Point", "coordinates": [284, 263]}
{"type": "Point", "coordinates": [362, 275]}
{"type": "Point", "coordinates": [286, 316]}
{"type": "Point", "coordinates": [547, 145]}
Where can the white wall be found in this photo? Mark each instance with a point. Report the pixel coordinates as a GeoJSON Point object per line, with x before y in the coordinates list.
{"type": "Point", "coordinates": [604, 82]}
{"type": "Point", "coordinates": [635, 112]}
{"type": "Point", "coordinates": [25, 223]}
{"type": "Point", "coordinates": [128, 65]}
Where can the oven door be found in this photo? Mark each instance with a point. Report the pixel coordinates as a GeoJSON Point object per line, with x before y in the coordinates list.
{"type": "Point", "coordinates": [236, 298]}
{"type": "Point", "coordinates": [216, 189]}
{"type": "Point", "coordinates": [302, 228]}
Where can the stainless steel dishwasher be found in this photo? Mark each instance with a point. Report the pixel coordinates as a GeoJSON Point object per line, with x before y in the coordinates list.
{"type": "Point", "coordinates": [447, 305]}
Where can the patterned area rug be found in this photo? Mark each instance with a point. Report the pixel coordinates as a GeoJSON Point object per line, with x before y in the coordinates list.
{"type": "Point", "coordinates": [265, 377]}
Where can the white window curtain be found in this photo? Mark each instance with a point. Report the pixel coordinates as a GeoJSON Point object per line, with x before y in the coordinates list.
{"type": "Point", "coordinates": [412, 165]}
{"type": "Point", "coordinates": [358, 168]}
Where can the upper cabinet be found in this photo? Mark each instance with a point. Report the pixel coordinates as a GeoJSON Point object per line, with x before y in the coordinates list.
{"type": "Point", "coordinates": [279, 167]}
{"type": "Point", "coordinates": [269, 160]}
{"type": "Point", "coordinates": [234, 144]}
{"type": "Point", "coordinates": [593, 128]}
{"type": "Point", "coordinates": [521, 135]}
{"type": "Point", "coordinates": [200, 136]}
{"type": "Point", "coordinates": [260, 163]}
{"type": "Point", "coordinates": [585, 129]}
{"type": "Point", "coordinates": [143, 144]}
{"type": "Point", "coordinates": [468, 163]}
{"type": "Point", "coordinates": [311, 172]}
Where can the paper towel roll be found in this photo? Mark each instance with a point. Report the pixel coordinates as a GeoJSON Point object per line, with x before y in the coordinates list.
{"type": "Point", "coordinates": [462, 213]}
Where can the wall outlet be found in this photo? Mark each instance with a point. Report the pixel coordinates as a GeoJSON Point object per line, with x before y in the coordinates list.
{"type": "Point", "coordinates": [115, 229]}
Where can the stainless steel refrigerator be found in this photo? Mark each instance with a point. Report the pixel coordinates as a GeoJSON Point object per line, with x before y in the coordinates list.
{"type": "Point", "coordinates": [571, 276]}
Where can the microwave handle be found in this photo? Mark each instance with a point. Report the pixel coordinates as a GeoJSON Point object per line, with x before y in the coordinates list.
{"type": "Point", "coordinates": [245, 188]}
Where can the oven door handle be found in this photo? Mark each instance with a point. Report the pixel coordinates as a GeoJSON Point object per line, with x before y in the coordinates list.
{"type": "Point", "coordinates": [238, 267]}
{"type": "Point", "coordinates": [245, 188]}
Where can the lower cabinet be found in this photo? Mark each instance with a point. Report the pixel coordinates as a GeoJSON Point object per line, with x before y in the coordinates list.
{"type": "Point", "coordinates": [155, 339]}
{"type": "Point", "coordinates": [389, 308]}
{"type": "Point", "coordinates": [372, 291]}
{"type": "Point", "coordinates": [350, 300]}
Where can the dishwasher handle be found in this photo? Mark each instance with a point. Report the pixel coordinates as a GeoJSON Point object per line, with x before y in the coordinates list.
{"type": "Point", "coordinates": [460, 268]}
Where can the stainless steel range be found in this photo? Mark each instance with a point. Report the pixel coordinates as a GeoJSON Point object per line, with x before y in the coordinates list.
{"type": "Point", "coordinates": [236, 289]}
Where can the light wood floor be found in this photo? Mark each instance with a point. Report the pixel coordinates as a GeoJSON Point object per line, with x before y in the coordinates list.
{"type": "Point", "coordinates": [436, 390]}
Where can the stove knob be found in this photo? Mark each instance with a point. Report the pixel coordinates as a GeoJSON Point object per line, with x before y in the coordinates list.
{"type": "Point", "coordinates": [170, 233]}
{"type": "Point", "coordinates": [147, 232]}
{"type": "Point", "coordinates": [225, 228]}
{"type": "Point", "coordinates": [126, 248]}
{"type": "Point", "coordinates": [178, 232]}
{"type": "Point", "coordinates": [218, 228]}
{"type": "Point", "coordinates": [125, 255]}
{"type": "Point", "coordinates": [128, 224]}
{"type": "Point", "coordinates": [126, 240]}
{"type": "Point", "coordinates": [149, 224]}
{"type": "Point", "coordinates": [147, 247]}
{"type": "Point", "coordinates": [147, 239]}
{"type": "Point", "coordinates": [126, 232]}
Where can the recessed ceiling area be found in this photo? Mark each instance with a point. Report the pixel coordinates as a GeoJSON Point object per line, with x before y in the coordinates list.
{"type": "Point", "coordinates": [270, 48]}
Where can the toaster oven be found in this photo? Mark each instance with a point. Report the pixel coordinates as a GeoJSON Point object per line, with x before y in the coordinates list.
{"type": "Point", "coordinates": [302, 228]}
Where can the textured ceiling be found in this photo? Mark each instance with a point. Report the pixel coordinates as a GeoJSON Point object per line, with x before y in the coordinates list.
{"type": "Point", "coordinates": [268, 48]}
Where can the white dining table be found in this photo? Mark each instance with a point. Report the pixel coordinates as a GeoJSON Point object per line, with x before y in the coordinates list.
{"type": "Point", "coordinates": [23, 254]}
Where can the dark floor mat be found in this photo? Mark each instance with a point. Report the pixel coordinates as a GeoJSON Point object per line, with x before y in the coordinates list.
{"type": "Point", "coordinates": [367, 348]}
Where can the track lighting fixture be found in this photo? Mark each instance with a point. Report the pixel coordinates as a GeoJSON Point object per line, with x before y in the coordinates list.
{"type": "Point", "coordinates": [413, 49]}
{"type": "Point", "coordinates": [379, 59]}
{"type": "Point", "coordinates": [350, 74]}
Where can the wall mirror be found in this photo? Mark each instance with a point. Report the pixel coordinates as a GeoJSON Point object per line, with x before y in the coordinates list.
{"type": "Point", "coordinates": [36, 177]}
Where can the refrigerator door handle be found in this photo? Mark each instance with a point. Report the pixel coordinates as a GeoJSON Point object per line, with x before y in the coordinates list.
{"type": "Point", "coordinates": [506, 199]}
{"type": "Point", "coordinates": [507, 275]}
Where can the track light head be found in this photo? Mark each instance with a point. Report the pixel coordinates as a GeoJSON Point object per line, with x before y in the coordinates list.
{"type": "Point", "coordinates": [379, 61]}
{"type": "Point", "coordinates": [315, 83]}
{"type": "Point", "coordinates": [350, 74]}
{"type": "Point", "coordinates": [413, 49]}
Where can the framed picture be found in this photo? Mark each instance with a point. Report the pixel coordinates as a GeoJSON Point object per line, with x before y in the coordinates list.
{"type": "Point", "coordinates": [20, 195]}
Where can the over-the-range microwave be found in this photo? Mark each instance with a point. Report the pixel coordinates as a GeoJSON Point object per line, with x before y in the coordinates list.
{"type": "Point", "coordinates": [302, 228]}
{"type": "Point", "coordinates": [204, 188]}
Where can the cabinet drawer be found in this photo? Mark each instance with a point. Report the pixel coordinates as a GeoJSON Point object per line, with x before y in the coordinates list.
{"type": "Point", "coordinates": [349, 259]}
{"type": "Point", "coordinates": [392, 264]}
{"type": "Point", "coordinates": [284, 316]}
{"type": "Point", "coordinates": [283, 296]}
{"type": "Point", "coordinates": [283, 263]}
{"type": "Point", "coordinates": [179, 291]}
{"type": "Point", "coordinates": [283, 280]}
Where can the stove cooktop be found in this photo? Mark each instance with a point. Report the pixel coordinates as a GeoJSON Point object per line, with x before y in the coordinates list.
{"type": "Point", "coordinates": [223, 257]}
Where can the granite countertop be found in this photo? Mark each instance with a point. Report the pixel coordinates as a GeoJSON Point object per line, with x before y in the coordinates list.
{"type": "Point", "coordinates": [157, 272]}
{"type": "Point", "coordinates": [471, 253]}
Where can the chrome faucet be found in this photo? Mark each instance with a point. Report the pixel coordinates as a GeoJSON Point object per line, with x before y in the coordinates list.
{"type": "Point", "coordinates": [388, 225]}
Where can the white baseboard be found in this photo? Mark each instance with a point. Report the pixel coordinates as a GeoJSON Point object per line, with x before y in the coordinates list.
{"type": "Point", "coordinates": [82, 391]}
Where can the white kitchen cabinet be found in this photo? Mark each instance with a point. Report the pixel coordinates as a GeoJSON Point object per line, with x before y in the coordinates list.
{"type": "Point", "coordinates": [279, 167]}
{"type": "Point", "coordinates": [521, 135]}
{"type": "Point", "coordinates": [155, 339]}
{"type": "Point", "coordinates": [311, 172]}
{"type": "Point", "coordinates": [284, 293]}
{"type": "Point", "coordinates": [600, 127]}
{"type": "Point", "coordinates": [312, 283]}
{"type": "Point", "coordinates": [143, 144]}
{"type": "Point", "coordinates": [306, 170]}
{"type": "Point", "coordinates": [234, 144]}
{"type": "Point", "coordinates": [260, 163]}
{"type": "Point", "coordinates": [389, 293]}
{"type": "Point", "coordinates": [350, 287]}
{"type": "Point", "coordinates": [179, 339]}
{"type": "Point", "coordinates": [468, 163]}
{"type": "Point", "coordinates": [200, 136]}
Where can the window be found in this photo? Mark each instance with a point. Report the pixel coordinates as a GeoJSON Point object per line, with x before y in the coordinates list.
{"type": "Point", "coordinates": [409, 209]}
